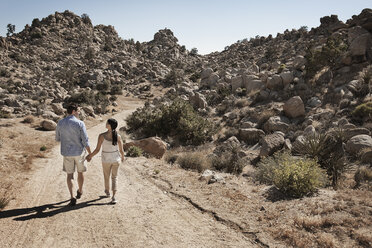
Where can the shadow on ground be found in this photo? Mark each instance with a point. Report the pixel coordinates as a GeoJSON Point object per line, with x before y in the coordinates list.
{"type": "Point", "coordinates": [47, 210]}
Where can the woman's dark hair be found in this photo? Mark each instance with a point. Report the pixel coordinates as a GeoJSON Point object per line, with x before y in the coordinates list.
{"type": "Point", "coordinates": [114, 124]}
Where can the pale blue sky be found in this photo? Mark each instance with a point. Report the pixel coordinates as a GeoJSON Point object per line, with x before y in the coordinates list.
{"type": "Point", "coordinates": [208, 25]}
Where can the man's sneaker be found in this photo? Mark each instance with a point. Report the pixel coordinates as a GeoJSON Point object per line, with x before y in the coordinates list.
{"type": "Point", "coordinates": [113, 200]}
{"type": "Point", "coordinates": [107, 193]}
{"type": "Point", "coordinates": [72, 202]}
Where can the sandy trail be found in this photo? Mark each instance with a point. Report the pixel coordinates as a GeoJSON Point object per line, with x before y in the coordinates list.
{"type": "Point", "coordinates": [145, 215]}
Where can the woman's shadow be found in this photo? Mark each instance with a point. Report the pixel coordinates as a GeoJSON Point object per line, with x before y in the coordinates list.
{"type": "Point", "coordinates": [47, 210]}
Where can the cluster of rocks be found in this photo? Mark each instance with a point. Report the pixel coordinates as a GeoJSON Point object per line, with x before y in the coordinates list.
{"type": "Point", "coordinates": [272, 75]}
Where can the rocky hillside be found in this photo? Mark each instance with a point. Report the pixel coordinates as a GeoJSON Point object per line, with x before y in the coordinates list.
{"type": "Point", "coordinates": [300, 82]}
{"type": "Point", "coordinates": [63, 57]}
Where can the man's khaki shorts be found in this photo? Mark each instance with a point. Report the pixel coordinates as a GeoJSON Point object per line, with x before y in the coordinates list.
{"type": "Point", "coordinates": [71, 163]}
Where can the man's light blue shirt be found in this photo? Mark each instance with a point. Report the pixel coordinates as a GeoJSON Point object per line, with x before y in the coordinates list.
{"type": "Point", "coordinates": [72, 134]}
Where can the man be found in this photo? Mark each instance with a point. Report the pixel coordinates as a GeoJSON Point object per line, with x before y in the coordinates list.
{"type": "Point", "coordinates": [72, 134]}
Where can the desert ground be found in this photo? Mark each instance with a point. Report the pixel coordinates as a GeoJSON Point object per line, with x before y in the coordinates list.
{"type": "Point", "coordinates": [161, 204]}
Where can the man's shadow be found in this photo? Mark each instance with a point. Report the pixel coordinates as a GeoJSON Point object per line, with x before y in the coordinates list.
{"type": "Point", "coordinates": [43, 211]}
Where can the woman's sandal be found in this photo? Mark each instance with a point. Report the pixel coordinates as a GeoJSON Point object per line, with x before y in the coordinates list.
{"type": "Point", "coordinates": [78, 194]}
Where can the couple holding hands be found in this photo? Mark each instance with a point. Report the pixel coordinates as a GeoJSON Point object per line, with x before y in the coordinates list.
{"type": "Point", "coordinates": [72, 134]}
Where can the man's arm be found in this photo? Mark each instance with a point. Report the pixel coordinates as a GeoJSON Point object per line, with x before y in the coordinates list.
{"type": "Point", "coordinates": [58, 135]}
{"type": "Point", "coordinates": [84, 138]}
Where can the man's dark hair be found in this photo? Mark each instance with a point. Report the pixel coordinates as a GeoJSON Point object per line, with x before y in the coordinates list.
{"type": "Point", "coordinates": [71, 108]}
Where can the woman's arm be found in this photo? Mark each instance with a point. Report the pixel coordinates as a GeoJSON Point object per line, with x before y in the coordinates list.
{"type": "Point", "coordinates": [98, 147]}
{"type": "Point", "coordinates": [121, 150]}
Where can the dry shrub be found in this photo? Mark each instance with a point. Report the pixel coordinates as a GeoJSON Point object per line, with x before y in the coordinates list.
{"type": "Point", "coordinates": [29, 119]}
{"type": "Point", "coordinates": [229, 161]}
{"type": "Point", "coordinates": [241, 103]}
{"type": "Point", "coordinates": [265, 116]}
{"type": "Point", "coordinates": [4, 202]}
{"type": "Point", "coordinates": [326, 240]}
{"type": "Point", "coordinates": [171, 157]}
{"type": "Point", "coordinates": [193, 161]}
{"type": "Point", "coordinates": [363, 174]}
{"type": "Point", "coordinates": [293, 237]}
{"type": "Point", "coordinates": [363, 236]}
{"type": "Point", "coordinates": [309, 223]}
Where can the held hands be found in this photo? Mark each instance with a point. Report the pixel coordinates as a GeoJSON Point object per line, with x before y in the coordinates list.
{"type": "Point", "coordinates": [88, 158]}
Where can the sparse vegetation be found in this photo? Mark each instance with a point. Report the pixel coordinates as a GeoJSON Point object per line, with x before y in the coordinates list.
{"type": "Point", "coordinates": [294, 176]}
{"type": "Point", "coordinates": [193, 161]}
{"type": "Point", "coordinates": [134, 151]}
{"type": "Point", "coordinates": [4, 202]}
{"type": "Point", "coordinates": [229, 161]}
{"type": "Point", "coordinates": [363, 175]}
{"type": "Point", "coordinates": [363, 111]}
{"type": "Point", "coordinates": [178, 119]}
{"type": "Point", "coordinates": [174, 77]}
{"type": "Point", "coordinates": [43, 148]}
{"type": "Point", "coordinates": [328, 55]}
{"type": "Point", "coordinates": [327, 150]}
{"type": "Point", "coordinates": [29, 119]}
{"type": "Point", "coordinates": [171, 157]}
{"type": "Point", "coordinates": [10, 29]}
{"type": "Point", "coordinates": [4, 115]}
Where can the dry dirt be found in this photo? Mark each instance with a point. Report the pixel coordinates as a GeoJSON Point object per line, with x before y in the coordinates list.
{"type": "Point", "coordinates": [161, 205]}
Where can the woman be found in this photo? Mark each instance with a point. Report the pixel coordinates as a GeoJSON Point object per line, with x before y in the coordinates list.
{"type": "Point", "coordinates": [112, 154]}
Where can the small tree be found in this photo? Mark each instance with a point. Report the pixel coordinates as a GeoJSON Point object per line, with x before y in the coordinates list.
{"type": "Point", "coordinates": [194, 51]}
{"type": "Point", "coordinates": [10, 29]}
{"type": "Point", "coordinates": [86, 19]}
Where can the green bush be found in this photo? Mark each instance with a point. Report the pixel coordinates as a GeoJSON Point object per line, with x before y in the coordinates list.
{"type": "Point", "coordinates": [174, 77]}
{"type": "Point", "coordinates": [328, 55]}
{"type": "Point", "coordinates": [178, 120]}
{"type": "Point", "coordinates": [193, 161]}
{"type": "Point", "coordinates": [43, 148]}
{"type": "Point", "coordinates": [327, 150]}
{"type": "Point", "coordinates": [99, 100]}
{"type": "Point", "coordinates": [4, 115]}
{"type": "Point", "coordinates": [295, 177]}
{"type": "Point", "coordinates": [134, 151]}
{"type": "Point", "coordinates": [363, 111]}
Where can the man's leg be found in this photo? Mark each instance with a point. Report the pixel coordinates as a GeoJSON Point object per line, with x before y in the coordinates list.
{"type": "Point", "coordinates": [80, 181]}
{"type": "Point", "coordinates": [70, 178]}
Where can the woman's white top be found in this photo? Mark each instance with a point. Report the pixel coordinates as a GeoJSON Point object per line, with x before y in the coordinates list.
{"type": "Point", "coordinates": [110, 153]}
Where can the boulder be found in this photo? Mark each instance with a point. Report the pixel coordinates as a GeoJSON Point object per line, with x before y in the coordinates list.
{"type": "Point", "coordinates": [358, 143]}
{"type": "Point", "coordinates": [48, 125]}
{"type": "Point", "coordinates": [58, 108]}
{"type": "Point", "coordinates": [251, 135]}
{"type": "Point", "coordinates": [351, 132]}
{"type": "Point", "coordinates": [276, 123]}
{"type": "Point", "coordinates": [287, 77]}
{"type": "Point", "coordinates": [271, 143]}
{"type": "Point", "coordinates": [274, 82]}
{"type": "Point", "coordinates": [198, 101]}
{"type": "Point", "coordinates": [236, 82]}
{"type": "Point", "coordinates": [152, 145]}
{"type": "Point", "coordinates": [367, 157]}
{"type": "Point", "coordinates": [360, 45]}
{"type": "Point", "coordinates": [299, 62]}
{"type": "Point", "coordinates": [294, 107]}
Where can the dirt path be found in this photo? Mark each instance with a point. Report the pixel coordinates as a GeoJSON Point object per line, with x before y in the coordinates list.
{"type": "Point", "coordinates": [145, 216]}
